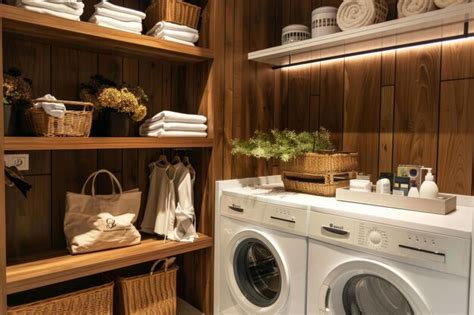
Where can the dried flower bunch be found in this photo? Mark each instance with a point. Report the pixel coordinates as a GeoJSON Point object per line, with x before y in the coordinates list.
{"type": "Point", "coordinates": [283, 145]}
{"type": "Point", "coordinates": [16, 89]}
{"type": "Point", "coordinates": [105, 94]}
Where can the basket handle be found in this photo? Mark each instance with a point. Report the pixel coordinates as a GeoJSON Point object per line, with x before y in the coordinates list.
{"type": "Point", "coordinates": [86, 105]}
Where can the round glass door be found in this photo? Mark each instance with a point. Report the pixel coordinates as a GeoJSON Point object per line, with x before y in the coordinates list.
{"type": "Point", "coordinates": [370, 294]}
{"type": "Point", "coordinates": [257, 272]}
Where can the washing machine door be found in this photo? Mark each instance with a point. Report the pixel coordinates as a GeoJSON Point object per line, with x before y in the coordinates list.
{"type": "Point", "coordinates": [369, 287]}
{"type": "Point", "coordinates": [256, 273]}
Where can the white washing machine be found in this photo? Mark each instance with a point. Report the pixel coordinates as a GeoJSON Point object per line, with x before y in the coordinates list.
{"type": "Point", "coordinates": [262, 260]}
{"type": "Point", "coordinates": [374, 266]}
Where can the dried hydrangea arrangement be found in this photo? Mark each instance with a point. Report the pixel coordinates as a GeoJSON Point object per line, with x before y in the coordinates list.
{"type": "Point", "coordinates": [16, 89]}
{"type": "Point", "coordinates": [105, 94]}
{"type": "Point", "coordinates": [283, 145]}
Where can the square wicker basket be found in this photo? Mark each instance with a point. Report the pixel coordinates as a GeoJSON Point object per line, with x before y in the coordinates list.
{"type": "Point", "coordinates": [175, 11]}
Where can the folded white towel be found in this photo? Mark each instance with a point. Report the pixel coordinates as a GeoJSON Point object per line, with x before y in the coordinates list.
{"type": "Point", "coordinates": [53, 109]}
{"type": "Point", "coordinates": [354, 14]}
{"type": "Point", "coordinates": [448, 3]}
{"type": "Point", "coordinates": [160, 26]}
{"type": "Point", "coordinates": [179, 41]}
{"type": "Point", "coordinates": [172, 126]}
{"type": "Point", "coordinates": [160, 133]}
{"type": "Point", "coordinates": [52, 12]}
{"type": "Point", "coordinates": [117, 8]}
{"type": "Point", "coordinates": [74, 4]}
{"type": "Point", "coordinates": [118, 15]}
{"type": "Point", "coordinates": [187, 37]}
{"type": "Point", "coordinates": [133, 27]}
{"type": "Point", "coordinates": [169, 116]}
{"type": "Point", "coordinates": [414, 7]}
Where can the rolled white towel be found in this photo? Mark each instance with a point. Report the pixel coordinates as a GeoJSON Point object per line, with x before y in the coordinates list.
{"type": "Point", "coordinates": [184, 36]}
{"type": "Point", "coordinates": [124, 17]}
{"type": "Point", "coordinates": [160, 133]}
{"type": "Point", "coordinates": [107, 5]}
{"type": "Point", "coordinates": [171, 27]}
{"type": "Point", "coordinates": [172, 126]}
{"type": "Point", "coordinates": [133, 27]}
{"type": "Point", "coordinates": [414, 7]}
{"type": "Point", "coordinates": [52, 12]}
{"type": "Point", "coordinates": [448, 3]}
{"type": "Point", "coordinates": [53, 109]}
{"type": "Point", "coordinates": [353, 14]}
{"type": "Point", "coordinates": [74, 4]}
{"type": "Point", "coordinates": [169, 116]}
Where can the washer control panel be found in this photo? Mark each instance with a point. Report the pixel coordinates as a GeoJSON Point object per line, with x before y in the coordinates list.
{"type": "Point", "coordinates": [441, 252]}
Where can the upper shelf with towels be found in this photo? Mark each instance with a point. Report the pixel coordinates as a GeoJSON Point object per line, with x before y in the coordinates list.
{"type": "Point", "coordinates": [19, 21]}
{"type": "Point", "coordinates": [434, 25]}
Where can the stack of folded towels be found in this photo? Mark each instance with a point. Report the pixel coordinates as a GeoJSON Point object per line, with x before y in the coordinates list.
{"type": "Point", "coordinates": [173, 124]}
{"type": "Point", "coordinates": [68, 9]}
{"type": "Point", "coordinates": [174, 32]}
{"type": "Point", "coordinates": [117, 17]}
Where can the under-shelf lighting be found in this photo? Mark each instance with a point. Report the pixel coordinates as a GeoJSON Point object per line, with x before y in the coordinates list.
{"type": "Point", "coordinates": [465, 35]}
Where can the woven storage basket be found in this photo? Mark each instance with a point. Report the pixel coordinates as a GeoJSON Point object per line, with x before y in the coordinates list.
{"type": "Point", "coordinates": [322, 163]}
{"type": "Point", "coordinates": [381, 11]}
{"type": "Point", "coordinates": [96, 300]}
{"type": "Point", "coordinates": [321, 185]}
{"type": "Point", "coordinates": [175, 11]}
{"type": "Point", "coordinates": [153, 293]}
{"type": "Point", "coordinates": [75, 123]}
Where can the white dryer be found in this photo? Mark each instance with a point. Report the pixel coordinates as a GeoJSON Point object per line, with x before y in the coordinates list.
{"type": "Point", "coordinates": [363, 266]}
{"type": "Point", "coordinates": [262, 257]}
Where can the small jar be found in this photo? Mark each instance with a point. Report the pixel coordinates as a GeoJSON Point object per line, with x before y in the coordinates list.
{"type": "Point", "coordinates": [294, 33]}
{"type": "Point", "coordinates": [324, 21]}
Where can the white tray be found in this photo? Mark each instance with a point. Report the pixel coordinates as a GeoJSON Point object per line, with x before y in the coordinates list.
{"type": "Point", "coordinates": [443, 205]}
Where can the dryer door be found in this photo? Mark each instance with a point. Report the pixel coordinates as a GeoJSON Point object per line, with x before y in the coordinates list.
{"type": "Point", "coordinates": [368, 287]}
{"type": "Point", "coordinates": [256, 273]}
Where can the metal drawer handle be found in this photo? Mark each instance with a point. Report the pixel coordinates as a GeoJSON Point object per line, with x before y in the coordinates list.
{"type": "Point", "coordinates": [335, 231]}
{"type": "Point", "coordinates": [281, 219]}
{"type": "Point", "coordinates": [236, 208]}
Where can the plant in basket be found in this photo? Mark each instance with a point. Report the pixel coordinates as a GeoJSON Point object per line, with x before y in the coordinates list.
{"type": "Point", "coordinates": [118, 106]}
{"type": "Point", "coordinates": [308, 159]}
{"type": "Point", "coordinates": [17, 92]}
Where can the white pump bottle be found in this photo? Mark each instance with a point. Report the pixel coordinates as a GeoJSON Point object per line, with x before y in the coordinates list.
{"type": "Point", "coordinates": [429, 189]}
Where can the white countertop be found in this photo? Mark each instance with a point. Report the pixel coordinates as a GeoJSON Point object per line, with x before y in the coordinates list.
{"type": "Point", "coordinates": [458, 223]}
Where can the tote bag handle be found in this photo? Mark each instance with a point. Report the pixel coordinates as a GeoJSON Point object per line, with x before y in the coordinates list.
{"type": "Point", "coordinates": [113, 181]}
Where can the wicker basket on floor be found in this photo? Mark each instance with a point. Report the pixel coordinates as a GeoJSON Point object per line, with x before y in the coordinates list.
{"type": "Point", "coordinates": [75, 123]}
{"type": "Point", "coordinates": [153, 293]}
{"type": "Point", "coordinates": [321, 185]}
{"type": "Point", "coordinates": [322, 163]}
{"type": "Point", "coordinates": [96, 300]}
{"type": "Point", "coordinates": [175, 11]}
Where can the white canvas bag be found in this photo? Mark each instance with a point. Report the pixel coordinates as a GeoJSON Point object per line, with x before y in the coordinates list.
{"type": "Point", "coordinates": [98, 222]}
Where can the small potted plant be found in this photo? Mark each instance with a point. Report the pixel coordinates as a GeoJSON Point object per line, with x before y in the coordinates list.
{"type": "Point", "coordinates": [119, 106]}
{"type": "Point", "coordinates": [17, 94]}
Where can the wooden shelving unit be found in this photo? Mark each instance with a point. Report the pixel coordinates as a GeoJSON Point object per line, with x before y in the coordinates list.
{"type": "Point", "coordinates": [83, 34]}
{"type": "Point", "coordinates": [374, 36]}
{"type": "Point", "coordinates": [61, 268]}
{"type": "Point", "coordinates": [45, 143]}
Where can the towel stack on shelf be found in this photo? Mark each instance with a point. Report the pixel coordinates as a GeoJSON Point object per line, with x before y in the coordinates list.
{"type": "Point", "coordinates": [117, 17]}
{"type": "Point", "coordinates": [174, 32]}
{"type": "Point", "coordinates": [172, 124]}
{"type": "Point", "coordinates": [68, 9]}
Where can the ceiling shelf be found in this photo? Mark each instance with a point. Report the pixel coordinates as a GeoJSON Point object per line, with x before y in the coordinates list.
{"type": "Point", "coordinates": [66, 267]}
{"type": "Point", "coordinates": [377, 36]}
{"type": "Point", "coordinates": [92, 143]}
{"type": "Point", "coordinates": [19, 21]}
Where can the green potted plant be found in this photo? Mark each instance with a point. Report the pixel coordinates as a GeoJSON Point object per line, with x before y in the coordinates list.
{"type": "Point", "coordinates": [119, 106]}
{"type": "Point", "coordinates": [17, 93]}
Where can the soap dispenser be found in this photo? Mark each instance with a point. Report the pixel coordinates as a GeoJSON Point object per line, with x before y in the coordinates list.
{"type": "Point", "coordinates": [429, 189]}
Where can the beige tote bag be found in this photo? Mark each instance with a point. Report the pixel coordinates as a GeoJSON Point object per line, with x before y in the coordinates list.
{"type": "Point", "coordinates": [98, 222]}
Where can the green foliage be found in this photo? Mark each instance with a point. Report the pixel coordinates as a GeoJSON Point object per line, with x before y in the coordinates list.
{"type": "Point", "coordinates": [283, 145]}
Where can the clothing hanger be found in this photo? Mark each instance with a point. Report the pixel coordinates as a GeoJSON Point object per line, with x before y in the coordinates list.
{"type": "Point", "coordinates": [162, 160]}
{"type": "Point", "coordinates": [176, 160]}
{"type": "Point", "coordinates": [186, 161]}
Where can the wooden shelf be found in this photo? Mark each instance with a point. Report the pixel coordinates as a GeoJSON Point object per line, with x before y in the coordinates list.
{"type": "Point", "coordinates": [84, 34]}
{"type": "Point", "coordinates": [375, 36]}
{"type": "Point", "coordinates": [47, 143]}
{"type": "Point", "coordinates": [48, 271]}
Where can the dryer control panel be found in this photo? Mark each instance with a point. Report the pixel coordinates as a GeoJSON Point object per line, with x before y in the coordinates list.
{"type": "Point", "coordinates": [436, 251]}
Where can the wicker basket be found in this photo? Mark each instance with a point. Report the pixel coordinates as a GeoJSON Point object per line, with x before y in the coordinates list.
{"type": "Point", "coordinates": [75, 123]}
{"type": "Point", "coordinates": [321, 185]}
{"type": "Point", "coordinates": [175, 11]}
{"type": "Point", "coordinates": [153, 293]}
{"type": "Point", "coordinates": [322, 163]}
{"type": "Point", "coordinates": [96, 300]}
